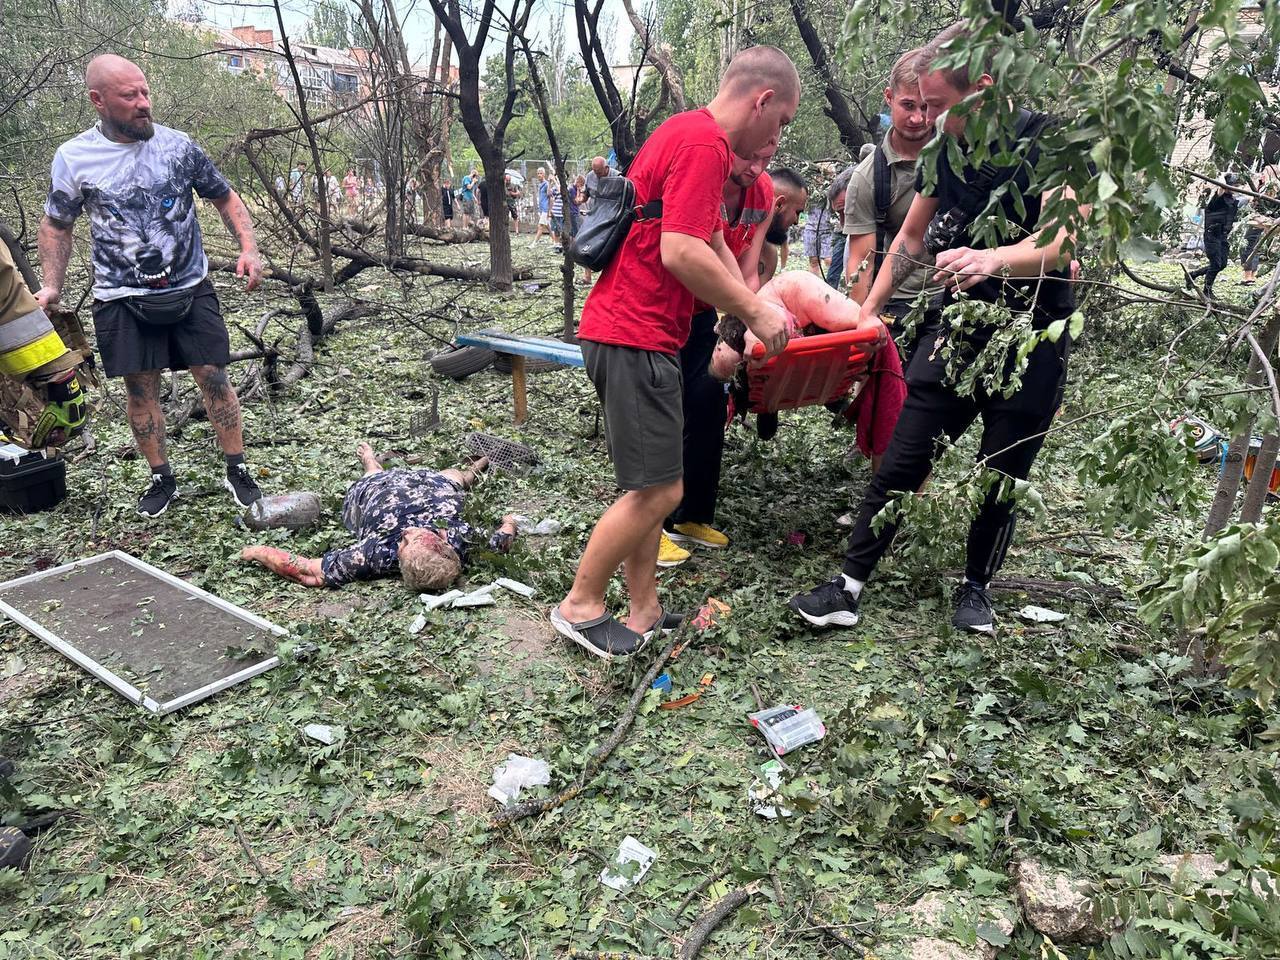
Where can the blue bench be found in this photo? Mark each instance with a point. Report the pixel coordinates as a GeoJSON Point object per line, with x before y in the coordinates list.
{"type": "Point", "coordinates": [519, 348]}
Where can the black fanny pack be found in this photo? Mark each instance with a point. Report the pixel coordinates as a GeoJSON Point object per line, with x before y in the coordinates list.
{"type": "Point", "coordinates": [613, 211]}
{"type": "Point", "coordinates": [162, 309]}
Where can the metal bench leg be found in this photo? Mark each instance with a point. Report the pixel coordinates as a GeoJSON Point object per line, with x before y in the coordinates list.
{"type": "Point", "coordinates": [518, 388]}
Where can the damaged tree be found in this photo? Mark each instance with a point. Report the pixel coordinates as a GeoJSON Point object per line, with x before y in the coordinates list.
{"type": "Point", "coordinates": [539, 90]}
{"type": "Point", "coordinates": [628, 122]}
{"type": "Point", "coordinates": [488, 141]}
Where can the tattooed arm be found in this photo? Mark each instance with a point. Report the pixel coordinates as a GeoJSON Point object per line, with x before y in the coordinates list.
{"type": "Point", "coordinates": [908, 253]}
{"type": "Point", "coordinates": [54, 242]}
{"type": "Point", "coordinates": [236, 216]}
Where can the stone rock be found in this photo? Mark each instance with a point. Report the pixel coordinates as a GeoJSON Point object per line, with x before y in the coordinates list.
{"type": "Point", "coordinates": [1190, 869]}
{"type": "Point", "coordinates": [931, 948]}
{"type": "Point", "coordinates": [1055, 904]}
{"type": "Point", "coordinates": [932, 914]}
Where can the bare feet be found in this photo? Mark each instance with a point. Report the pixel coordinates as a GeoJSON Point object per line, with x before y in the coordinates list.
{"type": "Point", "coordinates": [367, 458]}
{"type": "Point", "coordinates": [639, 621]}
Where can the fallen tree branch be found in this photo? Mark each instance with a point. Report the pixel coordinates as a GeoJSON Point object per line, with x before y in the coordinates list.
{"type": "Point", "coordinates": [1048, 588]}
{"type": "Point", "coordinates": [706, 924]}
{"type": "Point", "coordinates": [601, 754]}
{"type": "Point", "coordinates": [698, 891]}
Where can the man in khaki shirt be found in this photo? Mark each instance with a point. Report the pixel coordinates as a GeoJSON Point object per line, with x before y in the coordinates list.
{"type": "Point", "coordinates": [909, 131]}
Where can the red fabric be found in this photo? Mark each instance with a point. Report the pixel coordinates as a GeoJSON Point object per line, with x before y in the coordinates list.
{"type": "Point", "coordinates": [636, 302]}
{"type": "Point", "coordinates": [757, 205]}
{"type": "Point", "coordinates": [879, 403]}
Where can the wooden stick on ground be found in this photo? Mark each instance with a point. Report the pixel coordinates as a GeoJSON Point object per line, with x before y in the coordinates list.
{"type": "Point", "coordinates": [698, 891]}
{"type": "Point", "coordinates": [706, 924]}
{"type": "Point", "coordinates": [601, 754]}
{"type": "Point", "coordinates": [597, 759]}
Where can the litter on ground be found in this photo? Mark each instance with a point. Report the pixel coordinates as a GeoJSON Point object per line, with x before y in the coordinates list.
{"type": "Point", "coordinates": [622, 875]}
{"type": "Point", "coordinates": [514, 774]}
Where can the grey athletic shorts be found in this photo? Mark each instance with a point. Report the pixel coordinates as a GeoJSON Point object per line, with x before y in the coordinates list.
{"type": "Point", "coordinates": [641, 395]}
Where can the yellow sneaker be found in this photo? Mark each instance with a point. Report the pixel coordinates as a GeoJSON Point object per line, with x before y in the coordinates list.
{"type": "Point", "coordinates": [669, 555]}
{"type": "Point", "coordinates": [699, 533]}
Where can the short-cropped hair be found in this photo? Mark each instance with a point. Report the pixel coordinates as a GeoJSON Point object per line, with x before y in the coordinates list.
{"type": "Point", "coordinates": [959, 77]}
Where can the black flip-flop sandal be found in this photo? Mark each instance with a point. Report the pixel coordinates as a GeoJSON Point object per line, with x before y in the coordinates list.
{"type": "Point", "coordinates": [603, 637]}
{"type": "Point", "coordinates": [666, 622]}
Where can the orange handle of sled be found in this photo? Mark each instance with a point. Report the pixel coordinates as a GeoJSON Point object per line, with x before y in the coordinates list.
{"type": "Point", "coordinates": [823, 341]}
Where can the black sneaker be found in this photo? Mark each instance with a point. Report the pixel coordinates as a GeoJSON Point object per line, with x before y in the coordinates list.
{"type": "Point", "coordinates": [242, 487]}
{"type": "Point", "coordinates": [973, 609]}
{"type": "Point", "coordinates": [827, 605]}
{"type": "Point", "coordinates": [156, 498]}
{"type": "Point", "coordinates": [14, 848]}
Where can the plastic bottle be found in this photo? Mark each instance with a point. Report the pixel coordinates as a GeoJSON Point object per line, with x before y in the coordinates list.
{"type": "Point", "coordinates": [291, 511]}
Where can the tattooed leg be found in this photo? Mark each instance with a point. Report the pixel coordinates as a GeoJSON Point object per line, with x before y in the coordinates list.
{"type": "Point", "coordinates": [222, 406]}
{"type": "Point", "coordinates": [146, 418]}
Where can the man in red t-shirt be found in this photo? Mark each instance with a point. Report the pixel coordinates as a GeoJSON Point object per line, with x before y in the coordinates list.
{"type": "Point", "coordinates": [636, 319]}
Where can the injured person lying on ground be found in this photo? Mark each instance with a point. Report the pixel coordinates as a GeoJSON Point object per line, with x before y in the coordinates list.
{"type": "Point", "coordinates": [410, 520]}
{"type": "Point", "coordinates": [810, 307]}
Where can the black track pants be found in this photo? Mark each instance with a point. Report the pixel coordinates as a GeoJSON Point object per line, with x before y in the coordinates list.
{"type": "Point", "coordinates": [704, 414]}
{"type": "Point", "coordinates": [1216, 248]}
{"type": "Point", "coordinates": [1012, 434]}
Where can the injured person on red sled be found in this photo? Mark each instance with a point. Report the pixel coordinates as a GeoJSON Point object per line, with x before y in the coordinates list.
{"type": "Point", "coordinates": [813, 307]}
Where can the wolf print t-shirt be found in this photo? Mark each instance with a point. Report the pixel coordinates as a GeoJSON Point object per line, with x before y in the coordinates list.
{"type": "Point", "coordinates": [143, 229]}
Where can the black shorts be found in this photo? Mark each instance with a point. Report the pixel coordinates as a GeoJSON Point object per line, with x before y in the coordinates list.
{"type": "Point", "coordinates": [643, 412]}
{"type": "Point", "coordinates": [128, 346]}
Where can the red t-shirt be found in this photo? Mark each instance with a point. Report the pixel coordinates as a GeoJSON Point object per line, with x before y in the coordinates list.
{"type": "Point", "coordinates": [636, 302]}
{"type": "Point", "coordinates": [757, 206]}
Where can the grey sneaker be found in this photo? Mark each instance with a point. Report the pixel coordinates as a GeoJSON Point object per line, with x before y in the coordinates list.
{"type": "Point", "coordinates": [973, 609]}
{"type": "Point", "coordinates": [156, 498]}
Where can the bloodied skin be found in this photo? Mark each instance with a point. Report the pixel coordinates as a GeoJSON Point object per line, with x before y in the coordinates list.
{"type": "Point", "coordinates": [810, 306]}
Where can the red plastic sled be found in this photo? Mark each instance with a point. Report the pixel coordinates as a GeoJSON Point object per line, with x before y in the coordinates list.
{"type": "Point", "coordinates": [811, 370]}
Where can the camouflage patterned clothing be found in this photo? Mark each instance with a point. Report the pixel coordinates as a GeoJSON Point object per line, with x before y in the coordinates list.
{"type": "Point", "coordinates": [381, 506]}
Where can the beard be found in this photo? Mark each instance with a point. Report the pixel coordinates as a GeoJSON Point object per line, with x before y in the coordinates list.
{"type": "Point", "coordinates": [924, 134]}
{"type": "Point", "coordinates": [134, 128]}
{"type": "Point", "coordinates": [777, 235]}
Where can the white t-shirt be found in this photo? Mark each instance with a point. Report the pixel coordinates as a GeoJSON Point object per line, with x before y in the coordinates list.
{"type": "Point", "coordinates": [143, 230]}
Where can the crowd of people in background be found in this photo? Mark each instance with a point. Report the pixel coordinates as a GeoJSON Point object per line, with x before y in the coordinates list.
{"type": "Point", "coordinates": [555, 213]}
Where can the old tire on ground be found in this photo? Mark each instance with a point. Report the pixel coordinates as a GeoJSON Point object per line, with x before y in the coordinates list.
{"type": "Point", "coordinates": [503, 364]}
{"type": "Point", "coordinates": [457, 363]}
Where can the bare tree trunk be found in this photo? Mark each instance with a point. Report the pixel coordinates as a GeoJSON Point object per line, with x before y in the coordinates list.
{"type": "Point", "coordinates": [304, 117]}
{"type": "Point", "coordinates": [852, 134]}
{"type": "Point", "coordinates": [557, 156]}
{"type": "Point", "coordinates": [660, 54]}
{"type": "Point", "coordinates": [488, 142]}
{"type": "Point", "coordinates": [1255, 493]}
{"type": "Point", "coordinates": [1224, 497]}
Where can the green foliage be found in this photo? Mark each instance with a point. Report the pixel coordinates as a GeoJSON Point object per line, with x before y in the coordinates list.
{"type": "Point", "coordinates": [1230, 910]}
{"type": "Point", "coordinates": [1229, 587]}
{"type": "Point", "coordinates": [1137, 469]}
{"type": "Point", "coordinates": [332, 25]}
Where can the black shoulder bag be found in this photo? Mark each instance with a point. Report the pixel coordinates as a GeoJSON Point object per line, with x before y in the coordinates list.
{"type": "Point", "coordinates": [613, 211]}
{"type": "Point", "coordinates": [947, 227]}
{"type": "Point", "coordinates": [883, 183]}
